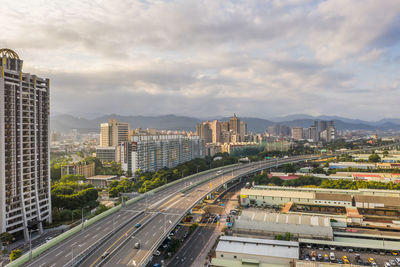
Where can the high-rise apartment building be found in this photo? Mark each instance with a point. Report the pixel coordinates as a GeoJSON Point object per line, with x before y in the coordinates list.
{"type": "Point", "coordinates": [216, 131]}
{"type": "Point", "coordinates": [154, 152]}
{"type": "Point", "coordinates": [25, 200]}
{"type": "Point", "coordinates": [234, 124]}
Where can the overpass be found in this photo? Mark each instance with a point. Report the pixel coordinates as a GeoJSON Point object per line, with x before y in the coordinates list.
{"type": "Point", "coordinates": [159, 220]}
{"type": "Point", "coordinates": [109, 239]}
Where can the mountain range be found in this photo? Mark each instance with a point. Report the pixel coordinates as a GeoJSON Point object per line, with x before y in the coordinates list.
{"type": "Point", "coordinates": [65, 122]}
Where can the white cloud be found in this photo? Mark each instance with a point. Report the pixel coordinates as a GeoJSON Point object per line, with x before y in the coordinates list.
{"type": "Point", "coordinates": [214, 56]}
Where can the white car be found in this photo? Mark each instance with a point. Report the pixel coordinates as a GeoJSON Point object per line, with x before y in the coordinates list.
{"type": "Point", "coordinates": [157, 253]}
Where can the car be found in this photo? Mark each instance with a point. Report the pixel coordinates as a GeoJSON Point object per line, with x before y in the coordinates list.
{"type": "Point", "coordinates": [393, 262]}
{"type": "Point", "coordinates": [171, 234]}
{"type": "Point", "coordinates": [387, 264]}
{"type": "Point", "coordinates": [307, 258]}
{"type": "Point", "coordinates": [137, 245]}
{"type": "Point", "coordinates": [360, 262]}
{"type": "Point", "coordinates": [319, 257]}
{"type": "Point", "coordinates": [374, 264]}
{"type": "Point", "coordinates": [313, 259]}
{"type": "Point", "coordinates": [371, 260]}
{"type": "Point", "coordinates": [332, 248]}
{"type": "Point", "coordinates": [357, 256]}
{"type": "Point", "coordinates": [332, 256]}
{"type": "Point", "coordinates": [351, 250]}
{"type": "Point", "coordinates": [105, 254]}
{"type": "Point", "coordinates": [308, 245]}
{"type": "Point", "coordinates": [395, 253]}
{"type": "Point", "coordinates": [326, 258]}
{"type": "Point", "coordinates": [157, 253]}
{"type": "Point", "coordinates": [340, 261]}
{"type": "Point", "coordinates": [345, 260]}
{"type": "Point", "coordinates": [137, 225]}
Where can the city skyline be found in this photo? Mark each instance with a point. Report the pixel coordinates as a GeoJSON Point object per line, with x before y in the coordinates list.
{"type": "Point", "coordinates": [326, 57]}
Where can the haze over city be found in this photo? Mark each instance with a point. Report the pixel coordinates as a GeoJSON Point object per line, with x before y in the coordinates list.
{"type": "Point", "coordinates": [209, 58]}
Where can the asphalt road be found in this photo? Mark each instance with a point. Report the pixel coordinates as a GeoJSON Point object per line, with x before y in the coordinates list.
{"type": "Point", "coordinates": [63, 253]}
{"type": "Point", "coordinates": [149, 234]}
{"type": "Point", "coordinates": [193, 246]}
{"type": "Point", "coordinates": [153, 233]}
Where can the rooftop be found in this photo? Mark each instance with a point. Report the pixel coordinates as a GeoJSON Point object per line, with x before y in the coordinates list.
{"type": "Point", "coordinates": [282, 223]}
{"type": "Point", "coordinates": [102, 177]}
{"type": "Point", "coordinates": [258, 246]}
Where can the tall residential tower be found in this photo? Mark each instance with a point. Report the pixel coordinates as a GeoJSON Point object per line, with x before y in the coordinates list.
{"type": "Point", "coordinates": [25, 200]}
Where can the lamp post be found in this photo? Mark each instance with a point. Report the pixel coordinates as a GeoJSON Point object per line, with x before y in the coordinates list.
{"type": "Point", "coordinates": [30, 243]}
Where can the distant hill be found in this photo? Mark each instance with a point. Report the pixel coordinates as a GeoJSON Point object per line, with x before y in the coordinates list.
{"type": "Point", "coordinates": [65, 123]}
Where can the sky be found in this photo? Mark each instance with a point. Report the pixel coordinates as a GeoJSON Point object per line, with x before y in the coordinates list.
{"type": "Point", "coordinates": [202, 58]}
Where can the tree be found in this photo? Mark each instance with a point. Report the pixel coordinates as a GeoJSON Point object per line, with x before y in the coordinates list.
{"type": "Point", "coordinates": [374, 158]}
{"type": "Point", "coordinates": [15, 254]}
{"type": "Point", "coordinates": [6, 238]}
{"type": "Point", "coordinates": [288, 168]}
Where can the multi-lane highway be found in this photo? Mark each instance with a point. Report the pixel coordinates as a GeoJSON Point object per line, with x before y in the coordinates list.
{"type": "Point", "coordinates": [163, 211]}
{"type": "Point", "coordinates": [160, 221]}
{"type": "Point", "coordinates": [63, 253]}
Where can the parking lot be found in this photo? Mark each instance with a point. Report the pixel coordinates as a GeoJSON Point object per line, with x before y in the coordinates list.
{"type": "Point", "coordinates": [351, 255]}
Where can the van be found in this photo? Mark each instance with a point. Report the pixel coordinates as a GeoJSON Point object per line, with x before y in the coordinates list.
{"type": "Point", "coordinates": [332, 256]}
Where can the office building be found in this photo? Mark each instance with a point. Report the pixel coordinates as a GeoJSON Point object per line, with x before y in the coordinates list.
{"type": "Point", "coordinates": [113, 133]}
{"type": "Point", "coordinates": [297, 133]}
{"type": "Point", "coordinates": [107, 153]}
{"type": "Point", "coordinates": [25, 200]}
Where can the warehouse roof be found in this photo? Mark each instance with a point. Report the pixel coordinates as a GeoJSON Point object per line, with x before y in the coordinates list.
{"type": "Point", "coordinates": [277, 193]}
{"type": "Point", "coordinates": [335, 197]}
{"type": "Point", "coordinates": [282, 223]}
{"type": "Point", "coordinates": [258, 246]}
{"type": "Point", "coordinates": [387, 201]}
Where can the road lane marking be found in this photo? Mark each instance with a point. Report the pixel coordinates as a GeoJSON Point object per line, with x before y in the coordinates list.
{"type": "Point", "coordinates": [53, 265]}
{"type": "Point", "coordinates": [82, 244]}
{"type": "Point", "coordinates": [58, 254]}
{"type": "Point", "coordinates": [86, 235]}
{"type": "Point", "coordinates": [95, 236]}
{"type": "Point", "coordinates": [39, 265]}
{"type": "Point", "coordinates": [73, 244]}
{"type": "Point", "coordinates": [154, 234]}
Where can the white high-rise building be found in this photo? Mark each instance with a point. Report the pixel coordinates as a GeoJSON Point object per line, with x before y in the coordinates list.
{"type": "Point", "coordinates": [154, 152]}
{"type": "Point", "coordinates": [25, 200]}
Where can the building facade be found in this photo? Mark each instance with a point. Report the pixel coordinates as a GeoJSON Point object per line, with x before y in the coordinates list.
{"type": "Point", "coordinates": [79, 168]}
{"type": "Point", "coordinates": [154, 152]}
{"type": "Point", "coordinates": [25, 200]}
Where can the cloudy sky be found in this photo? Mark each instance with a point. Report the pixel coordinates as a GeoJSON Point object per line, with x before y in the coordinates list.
{"type": "Point", "coordinates": [214, 57]}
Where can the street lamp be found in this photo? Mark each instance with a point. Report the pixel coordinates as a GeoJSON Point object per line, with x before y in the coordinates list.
{"type": "Point", "coordinates": [30, 243]}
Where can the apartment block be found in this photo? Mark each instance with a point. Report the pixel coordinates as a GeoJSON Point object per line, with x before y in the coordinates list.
{"type": "Point", "coordinates": [25, 201]}
{"type": "Point", "coordinates": [154, 152]}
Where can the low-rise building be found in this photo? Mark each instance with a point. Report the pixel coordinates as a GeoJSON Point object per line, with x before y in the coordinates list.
{"type": "Point", "coordinates": [234, 251]}
{"type": "Point", "coordinates": [79, 168]}
{"type": "Point", "coordinates": [266, 224]}
{"type": "Point", "coordinates": [101, 180]}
